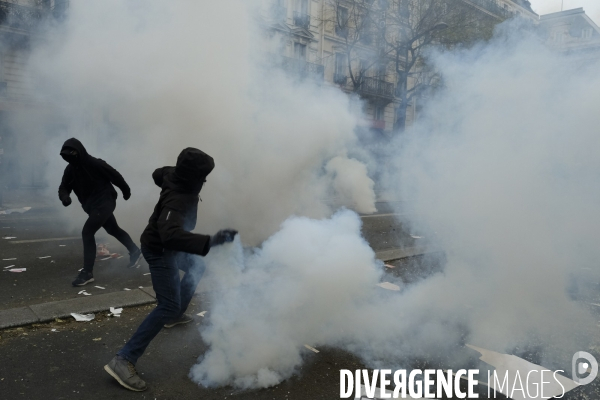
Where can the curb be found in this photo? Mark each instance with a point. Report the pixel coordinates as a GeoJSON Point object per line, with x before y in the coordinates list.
{"type": "Point", "coordinates": [46, 312]}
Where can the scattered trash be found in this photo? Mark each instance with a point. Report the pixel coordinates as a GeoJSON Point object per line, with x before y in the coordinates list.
{"type": "Point", "coordinates": [54, 330]}
{"type": "Point", "coordinates": [104, 259]}
{"type": "Point", "coordinates": [201, 314]}
{"type": "Point", "coordinates": [115, 312]}
{"type": "Point", "coordinates": [416, 237]}
{"type": "Point", "coordinates": [388, 286]}
{"type": "Point", "coordinates": [8, 259]}
{"type": "Point", "coordinates": [141, 287]}
{"type": "Point", "coordinates": [115, 255]}
{"type": "Point", "coordinates": [126, 289]}
{"type": "Point", "coordinates": [84, 293]}
{"type": "Point", "coordinates": [10, 266]}
{"type": "Point", "coordinates": [15, 210]}
{"type": "Point", "coordinates": [62, 245]}
{"type": "Point", "coordinates": [9, 237]}
{"type": "Point", "coordinates": [99, 287]}
{"type": "Point", "coordinates": [514, 367]}
{"type": "Point", "coordinates": [44, 257]}
{"type": "Point", "coordinates": [52, 261]}
{"type": "Point", "coordinates": [389, 266]}
{"type": "Point", "coordinates": [311, 348]}
{"type": "Point", "coordinates": [17, 270]}
{"type": "Point", "coordinates": [102, 250]}
{"type": "Point", "coordinates": [83, 317]}
{"type": "Point", "coordinates": [97, 339]}
{"type": "Point", "coordinates": [119, 257]}
{"type": "Point", "coordinates": [80, 269]}
{"type": "Point", "coordinates": [147, 273]}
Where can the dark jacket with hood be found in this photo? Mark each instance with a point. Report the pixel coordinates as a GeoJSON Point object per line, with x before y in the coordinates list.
{"type": "Point", "coordinates": [91, 179]}
{"type": "Point", "coordinates": [175, 213]}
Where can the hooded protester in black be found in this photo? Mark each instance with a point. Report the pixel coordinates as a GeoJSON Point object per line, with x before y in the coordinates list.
{"type": "Point", "coordinates": [168, 246]}
{"type": "Point", "coordinates": [92, 180]}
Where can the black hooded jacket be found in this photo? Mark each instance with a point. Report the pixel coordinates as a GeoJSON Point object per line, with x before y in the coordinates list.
{"type": "Point", "coordinates": [176, 212]}
{"type": "Point", "coordinates": [91, 179]}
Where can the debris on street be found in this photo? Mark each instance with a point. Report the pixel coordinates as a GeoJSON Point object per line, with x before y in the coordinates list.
{"type": "Point", "coordinates": [9, 237]}
{"type": "Point", "coordinates": [104, 259]}
{"type": "Point", "coordinates": [15, 210]}
{"type": "Point", "coordinates": [389, 266]}
{"type": "Point", "coordinates": [97, 339]}
{"type": "Point", "coordinates": [83, 317]}
{"type": "Point", "coordinates": [41, 258]}
{"type": "Point", "coordinates": [99, 287]}
{"type": "Point", "coordinates": [147, 273]}
{"type": "Point", "coordinates": [388, 286]}
{"type": "Point", "coordinates": [8, 259]}
{"type": "Point", "coordinates": [102, 250]}
{"type": "Point", "coordinates": [202, 314]}
{"type": "Point", "coordinates": [311, 348]}
{"type": "Point", "coordinates": [126, 289]}
{"type": "Point", "coordinates": [416, 237]}
{"type": "Point", "coordinates": [18, 270]}
{"type": "Point", "coordinates": [115, 312]}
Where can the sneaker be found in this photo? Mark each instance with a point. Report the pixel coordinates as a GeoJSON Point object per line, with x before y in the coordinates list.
{"type": "Point", "coordinates": [184, 319]}
{"type": "Point", "coordinates": [134, 258]}
{"type": "Point", "coordinates": [83, 278]}
{"type": "Point", "coordinates": [124, 372]}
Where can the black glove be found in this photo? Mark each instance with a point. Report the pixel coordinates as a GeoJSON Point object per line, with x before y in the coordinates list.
{"type": "Point", "coordinates": [223, 236]}
{"type": "Point", "coordinates": [66, 201]}
{"type": "Point", "coordinates": [126, 196]}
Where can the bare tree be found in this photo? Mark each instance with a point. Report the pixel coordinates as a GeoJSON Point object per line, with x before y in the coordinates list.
{"type": "Point", "coordinates": [413, 26]}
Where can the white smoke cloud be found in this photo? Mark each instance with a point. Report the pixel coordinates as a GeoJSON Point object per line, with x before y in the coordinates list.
{"type": "Point", "coordinates": [140, 81]}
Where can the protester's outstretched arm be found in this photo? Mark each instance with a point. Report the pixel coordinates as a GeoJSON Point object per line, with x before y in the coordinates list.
{"type": "Point", "coordinates": [116, 179]}
{"type": "Point", "coordinates": [65, 188]}
{"type": "Point", "coordinates": [174, 237]}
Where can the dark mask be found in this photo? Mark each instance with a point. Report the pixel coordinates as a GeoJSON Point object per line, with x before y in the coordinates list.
{"type": "Point", "coordinates": [70, 155]}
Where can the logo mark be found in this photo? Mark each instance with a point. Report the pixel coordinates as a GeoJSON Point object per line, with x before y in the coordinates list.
{"type": "Point", "coordinates": [580, 368]}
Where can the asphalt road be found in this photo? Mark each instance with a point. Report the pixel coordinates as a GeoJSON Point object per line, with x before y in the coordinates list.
{"type": "Point", "coordinates": [49, 279]}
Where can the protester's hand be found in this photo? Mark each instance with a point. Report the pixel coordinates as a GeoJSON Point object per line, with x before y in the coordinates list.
{"type": "Point", "coordinates": [223, 236]}
{"type": "Point", "coordinates": [126, 195]}
{"type": "Point", "coordinates": [66, 201]}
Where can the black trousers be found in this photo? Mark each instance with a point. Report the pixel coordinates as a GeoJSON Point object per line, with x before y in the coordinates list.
{"type": "Point", "coordinates": [102, 217]}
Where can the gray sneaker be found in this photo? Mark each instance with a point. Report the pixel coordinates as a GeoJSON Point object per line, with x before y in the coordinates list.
{"type": "Point", "coordinates": [184, 319]}
{"type": "Point", "coordinates": [124, 372]}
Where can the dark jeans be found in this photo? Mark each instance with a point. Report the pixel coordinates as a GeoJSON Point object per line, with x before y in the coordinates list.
{"type": "Point", "coordinates": [173, 296]}
{"type": "Point", "coordinates": [102, 218]}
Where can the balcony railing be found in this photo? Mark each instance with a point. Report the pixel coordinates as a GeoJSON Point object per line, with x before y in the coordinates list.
{"type": "Point", "coordinates": [303, 69]}
{"type": "Point", "coordinates": [376, 87]}
{"type": "Point", "coordinates": [17, 16]}
{"type": "Point", "coordinates": [493, 7]}
{"type": "Point", "coordinates": [302, 20]}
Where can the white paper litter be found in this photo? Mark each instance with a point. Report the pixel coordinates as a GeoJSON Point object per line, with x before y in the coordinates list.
{"type": "Point", "coordinates": [18, 270]}
{"type": "Point", "coordinates": [54, 330]}
{"type": "Point", "coordinates": [389, 266]}
{"type": "Point", "coordinates": [44, 257]}
{"type": "Point", "coordinates": [99, 287]}
{"type": "Point", "coordinates": [104, 259]}
{"type": "Point", "coordinates": [10, 266]}
{"type": "Point", "coordinates": [9, 237]}
{"type": "Point", "coordinates": [85, 293]}
{"type": "Point", "coordinates": [147, 273]}
{"type": "Point", "coordinates": [80, 269]}
{"type": "Point", "coordinates": [62, 245]}
{"type": "Point", "coordinates": [115, 312]}
{"type": "Point", "coordinates": [388, 286]}
{"type": "Point", "coordinates": [311, 348]}
{"type": "Point", "coordinates": [416, 237]}
{"type": "Point", "coordinates": [119, 257]}
{"type": "Point", "coordinates": [509, 365]}
{"type": "Point", "coordinates": [202, 314]}
{"type": "Point", "coordinates": [126, 289]}
{"type": "Point", "coordinates": [8, 259]}
{"type": "Point", "coordinates": [15, 210]}
{"type": "Point", "coordinates": [83, 317]}
{"type": "Point", "coordinates": [81, 291]}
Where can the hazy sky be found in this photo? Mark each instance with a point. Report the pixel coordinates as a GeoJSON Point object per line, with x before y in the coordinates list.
{"type": "Point", "coordinates": [591, 7]}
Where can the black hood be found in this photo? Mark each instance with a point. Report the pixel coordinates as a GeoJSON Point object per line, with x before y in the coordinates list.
{"type": "Point", "coordinates": [76, 145]}
{"type": "Point", "coordinates": [193, 166]}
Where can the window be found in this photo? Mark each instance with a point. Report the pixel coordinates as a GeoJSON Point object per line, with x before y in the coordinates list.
{"type": "Point", "coordinates": [341, 69]}
{"type": "Point", "coordinates": [341, 26]}
{"type": "Point", "coordinates": [300, 51]}
{"type": "Point", "coordinates": [378, 113]}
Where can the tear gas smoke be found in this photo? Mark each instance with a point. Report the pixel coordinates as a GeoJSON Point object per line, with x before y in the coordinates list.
{"type": "Point", "coordinates": [139, 81]}
{"type": "Point", "coordinates": [502, 167]}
